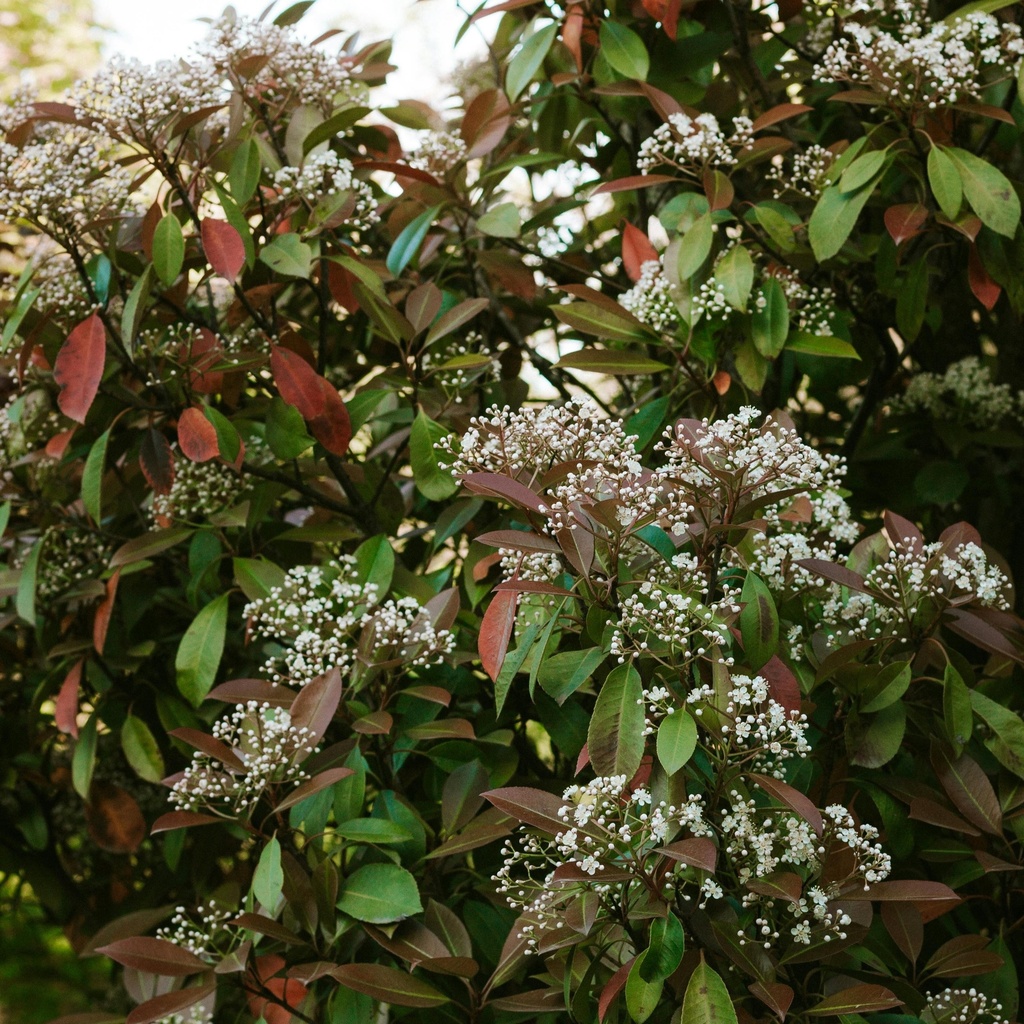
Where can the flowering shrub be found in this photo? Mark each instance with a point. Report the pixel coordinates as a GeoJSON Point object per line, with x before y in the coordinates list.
{"type": "Point", "coordinates": [511, 565]}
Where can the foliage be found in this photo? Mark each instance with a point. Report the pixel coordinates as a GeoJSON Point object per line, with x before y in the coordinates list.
{"type": "Point", "coordinates": [434, 586]}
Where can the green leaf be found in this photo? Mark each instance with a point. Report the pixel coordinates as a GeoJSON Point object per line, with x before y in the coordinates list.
{"type": "Point", "coordinates": [944, 179]}
{"type": "Point", "coordinates": [695, 247]}
{"type": "Point", "coordinates": [1007, 742]}
{"type": "Point", "coordinates": [268, 878]}
{"type": "Point", "coordinates": [617, 362]}
{"type": "Point", "coordinates": [707, 1000]}
{"type": "Point", "coordinates": [912, 300]}
{"type": "Point", "coordinates": [141, 750]}
{"type": "Point", "coordinates": [563, 674]}
{"type": "Point", "coordinates": [135, 308]}
{"type": "Point", "coordinates": [200, 650]}
{"type": "Point", "coordinates": [380, 894]}
{"type": "Point", "coordinates": [589, 318]}
{"type": "Point", "coordinates": [874, 740]}
{"type": "Point", "coordinates": [92, 477]}
{"type": "Point", "coordinates": [860, 171]}
{"type": "Point", "coordinates": [83, 760]}
{"type": "Point", "coordinates": [286, 430]}
{"type": "Point", "coordinates": [288, 255]}
{"type": "Point", "coordinates": [228, 439]}
{"type": "Point", "coordinates": [989, 192]}
{"type": "Point", "coordinates": [525, 64]}
{"type": "Point", "coordinates": [502, 221]}
{"type": "Point", "coordinates": [665, 953]}
{"type": "Point", "coordinates": [834, 217]}
{"type": "Point", "coordinates": [25, 597]}
{"type": "Point", "coordinates": [168, 249]}
{"type": "Point", "coordinates": [677, 740]}
{"type": "Point", "coordinates": [294, 13]}
{"type": "Point", "coordinates": [332, 127]}
{"type": "Point", "coordinates": [257, 576]}
{"type": "Point", "coordinates": [373, 831]}
{"type": "Point", "coordinates": [814, 345]}
{"type": "Point", "coordinates": [5, 516]}
{"type": "Point", "coordinates": [245, 170]}
{"type": "Point", "coordinates": [769, 323]}
{"type": "Point", "coordinates": [642, 997]}
{"type": "Point", "coordinates": [511, 666]}
{"type": "Point", "coordinates": [615, 739]}
{"type": "Point", "coordinates": [431, 480]}
{"type": "Point", "coordinates": [375, 564]}
{"type": "Point", "coordinates": [735, 273]}
{"type": "Point", "coordinates": [957, 713]}
{"type": "Point", "coordinates": [409, 240]}
{"type": "Point", "coordinates": [759, 621]}
{"type": "Point", "coordinates": [887, 687]}
{"type": "Point", "coordinates": [624, 50]}
{"type": "Point", "coordinates": [780, 231]}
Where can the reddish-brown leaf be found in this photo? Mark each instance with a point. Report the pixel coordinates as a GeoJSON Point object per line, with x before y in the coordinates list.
{"type": "Point", "coordinates": [635, 181]}
{"type": "Point", "coordinates": [312, 786]}
{"type": "Point", "coordinates": [155, 956]}
{"type": "Point", "coordinates": [699, 853]}
{"type": "Point", "coordinates": [572, 34]}
{"type": "Point", "coordinates": [58, 444]}
{"type": "Point", "coordinates": [333, 427]}
{"type": "Point", "coordinates": [963, 955]}
{"type": "Point", "coordinates": [204, 354]}
{"type": "Point", "coordinates": [636, 251]}
{"type": "Point", "coordinates": [101, 621]}
{"type": "Point", "coordinates": [496, 631]}
{"type": "Point", "coordinates": [909, 891]}
{"type": "Point", "coordinates": [339, 282]}
{"type": "Point", "coordinates": [209, 745]}
{"type": "Point", "coordinates": [495, 485]}
{"type": "Point", "coordinates": [65, 711]}
{"type": "Point", "coordinates": [181, 819]}
{"type": "Point", "coordinates": [289, 991]}
{"type": "Point", "coordinates": [856, 999]}
{"type": "Point", "coordinates": [485, 122]}
{"type": "Point", "coordinates": [792, 798]}
{"type": "Point", "coordinates": [777, 997]}
{"type": "Point", "coordinates": [78, 368]}
{"type": "Point", "coordinates": [316, 704]}
{"type": "Point", "coordinates": [616, 983]}
{"type": "Point", "coordinates": [904, 221]}
{"type": "Point", "coordinates": [782, 112]}
{"type": "Point", "coordinates": [157, 461]}
{"type": "Point", "coordinates": [719, 190]}
{"type": "Point", "coordinates": [531, 806]}
{"type": "Point", "coordinates": [299, 384]}
{"type": "Point", "coordinates": [197, 436]}
{"type": "Point", "coordinates": [169, 1004]}
{"type": "Point", "coordinates": [223, 247]}
{"type": "Point", "coordinates": [903, 922]}
{"type": "Point", "coordinates": [985, 290]}
{"type": "Point", "coordinates": [388, 985]}
{"type": "Point", "coordinates": [113, 818]}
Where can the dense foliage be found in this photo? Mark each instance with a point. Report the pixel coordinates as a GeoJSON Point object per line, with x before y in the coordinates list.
{"type": "Point", "coordinates": [512, 565]}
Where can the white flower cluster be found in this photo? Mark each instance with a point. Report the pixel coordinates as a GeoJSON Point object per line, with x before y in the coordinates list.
{"type": "Point", "coordinates": [692, 144]}
{"type": "Point", "coordinates": [325, 174]}
{"type": "Point", "coordinates": [909, 590]}
{"type": "Point", "coordinates": [196, 1015]}
{"type": "Point", "coordinates": [273, 64]}
{"type": "Point", "coordinates": [965, 394]}
{"type": "Point", "coordinates": [61, 290]}
{"type": "Point", "coordinates": [650, 299]}
{"type": "Point", "coordinates": [199, 490]}
{"type": "Point", "coordinates": [27, 422]}
{"type": "Point", "coordinates": [961, 1006]}
{"type": "Point", "coordinates": [203, 933]}
{"type": "Point", "coordinates": [809, 175]}
{"type": "Point", "coordinates": [911, 61]}
{"type": "Point", "coordinates": [63, 179]}
{"type": "Point", "coordinates": [268, 749]}
{"type": "Point", "coordinates": [137, 101]}
{"type": "Point", "coordinates": [538, 566]}
{"type": "Point", "coordinates": [438, 153]}
{"type": "Point", "coordinates": [761, 731]}
{"type": "Point", "coordinates": [760, 841]}
{"type": "Point", "coordinates": [460, 364]}
{"type": "Point", "coordinates": [327, 619]}
{"type": "Point", "coordinates": [814, 307]}
{"type": "Point", "coordinates": [69, 555]}
{"type": "Point", "coordinates": [610, 831]}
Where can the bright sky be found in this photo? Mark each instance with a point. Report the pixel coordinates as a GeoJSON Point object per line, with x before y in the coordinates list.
{"type": "Point", "coordinates": [424, 32]}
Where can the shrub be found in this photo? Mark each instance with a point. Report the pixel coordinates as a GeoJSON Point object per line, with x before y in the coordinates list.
{"type": "Point", "coordinates": [379, 642]}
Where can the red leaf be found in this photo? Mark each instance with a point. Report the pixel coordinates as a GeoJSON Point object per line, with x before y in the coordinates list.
{"type": "Point", "coordinates": [782, 112]}
{"type": "Point", "coordinates": [572, 34]}
{"type": "Point", "coordinates": [719, 190]}
{"type": "Point", "coordinates": [113, 818]}
{"type": "Point", "coordinates": [65, 711]}
{"type": "Point", "coordinates": [908, 891]}
{"type": "Point", "coordinates": [496, 630]}
{"type": "Point", "coordinates": [78, 368]}
{"type": "Point", "coordinates": [58, 444]}
{"type": "Point", "coordinates": [986, 291]}
{"type": "Point", "coordinates": [169, 1004]}
{"type": "Point", "coordinates": [333, 427]}
{"type": "Point", "coordinates": [904, 221]}
{"type": "Point", "coordinates": [856, 999]}
{"type": "Point", "coordinates": [777, 997]}
{"type": "Point", "coordinates": [157, 461]}
{"type": "Point", "coordinates": [636, 251]}
{"type": "Point", "coordinates": [299, 384]}
{"type": "Point", "coordinates": [315, 705]}
{"type": "Point", "coordinates": [531, 806]}
{"type": "Point", "coordinates": [197, 436]}
{"type": "Point", "coordinates": [699, 853]}
{"type": "Point", "coordinates": [101, 621]}
{"type": "Point", "coordinates": [223, 247]}
{"type": "Point", "coordinates": [495, 485]}
{"type": "Point", "coordinates": [903, 923]}
{"type": "Point", "coordinates": [633, 182]}
{"type": "Point", "coordinates": [792, 798]}
{"type": "Point", "coordinates": [287, 990]}
{"type": "Point", "coordinates": [339, 282]}
{"type": "Point", "coordinates": [615, 985]}
{"type": "Point", "coordinates": [181, 819]}
{"type": "Point", "coordinates": [209, 745]}
{"type": "Point", "coordinates": [205, 353]}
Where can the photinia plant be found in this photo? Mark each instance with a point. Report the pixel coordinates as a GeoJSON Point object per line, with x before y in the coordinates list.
{"type": "Point", "coordinates": [511, 564]}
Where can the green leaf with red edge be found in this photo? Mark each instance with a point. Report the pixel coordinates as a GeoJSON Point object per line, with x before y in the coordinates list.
{"type": "Point", "coordinates": [389, 985]}
{"type": "Point", "coordinates": [78, 368]}
{"type": "Point", "coordinates": [496, 630]}
{"type": "Point", "coordinates": [197, 436]}
{"type": "Point", "coordinates": [856, 999]}
{"type": "Point", "coordinates": [154, 956]}
{"type": "Point", "coordinates": [223, 247]}
{"type": "Point", "coordinates": [615, 739]}
{"type": "Point", "coordinates": [297, 381]}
